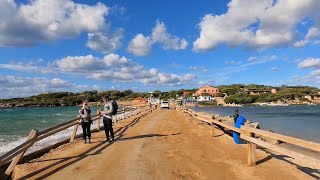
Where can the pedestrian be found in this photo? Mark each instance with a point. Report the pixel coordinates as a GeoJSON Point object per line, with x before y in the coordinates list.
{"type": "Point", "coordinates": [239, 121]}
{"type": "Point", "coordinates": [85, 121]}
{"type": "Point", "coordinates": [235, 116]}
{"type": "Point", "coordinates": [107, 118]}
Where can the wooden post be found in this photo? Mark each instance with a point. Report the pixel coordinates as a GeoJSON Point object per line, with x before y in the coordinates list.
{"type": "Point", "coordinates": [251, 151]}
{"type": "Point", "coordinates": [74, 132]}
{"type": "Point", "coordinates": [123, 113]}
{"type": "Point", "coordinates": [98, 121]}
{"type": "Point", "coordinates": [33, 134]}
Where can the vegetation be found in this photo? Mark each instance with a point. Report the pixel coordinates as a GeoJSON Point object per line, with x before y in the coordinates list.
{"type": "Point", "coordinates": [236, 94]}
{"type": "Point", "coordinates": [285, 93]}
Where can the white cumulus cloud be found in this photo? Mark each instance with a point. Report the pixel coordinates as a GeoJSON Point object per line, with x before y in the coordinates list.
{"type": "Point", "coordinates": [111, 67]}
{"type": "Point", "coordinates": [168, 41]}
{"type": "Point", "coordinates": [42, 20]}
{"type": "Point", "coordinates": [268, 23]}
{"type": "Point", "coordinates": [309, 63]}
{"type": "Point", "coordinates": [141, 45]}
{"type": "Point", "coordinates": [105, 43]}
{"type": "Point", "coordinates": [79, 63]}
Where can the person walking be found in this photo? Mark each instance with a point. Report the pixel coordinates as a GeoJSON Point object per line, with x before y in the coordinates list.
{"type": "Point", "coordinates": [239, 121]}
{"type": "Point", "coordinates": [85, 121]}
{"type": "Point", "coordinates": [107, 118]}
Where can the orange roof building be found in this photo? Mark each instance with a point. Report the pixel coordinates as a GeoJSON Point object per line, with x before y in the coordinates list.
{"type": "Point", "coordinates": [207, 90]}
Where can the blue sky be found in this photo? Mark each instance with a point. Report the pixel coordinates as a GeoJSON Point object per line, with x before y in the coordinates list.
{"type": "Point", "coordinates": [65, 45]}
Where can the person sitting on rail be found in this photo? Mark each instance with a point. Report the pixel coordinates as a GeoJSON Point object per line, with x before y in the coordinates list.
{"type": "Point", "coordinates": [239, 121]}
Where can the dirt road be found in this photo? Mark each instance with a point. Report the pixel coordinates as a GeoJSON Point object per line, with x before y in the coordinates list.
{"type": "Point", "coordinates": [161, 145]}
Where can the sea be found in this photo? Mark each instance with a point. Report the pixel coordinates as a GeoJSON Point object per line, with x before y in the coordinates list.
{"type": "Point", "coordinates": [16, 123]}
{"type": "Point", "coordinates": [300, 121]}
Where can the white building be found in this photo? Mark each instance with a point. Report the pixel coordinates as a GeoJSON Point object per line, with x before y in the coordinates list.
{"type": "Point", "coordinates": [204, 98]}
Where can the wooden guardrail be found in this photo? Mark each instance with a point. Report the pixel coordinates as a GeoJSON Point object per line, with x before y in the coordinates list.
{"type": "Point", "coordinates": [246, 133]}
{"type": "Point", "coordinates": [16, 154]}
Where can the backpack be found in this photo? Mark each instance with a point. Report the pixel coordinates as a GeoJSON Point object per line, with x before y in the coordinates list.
{"type": "Point", "coordinates": [114, 107]}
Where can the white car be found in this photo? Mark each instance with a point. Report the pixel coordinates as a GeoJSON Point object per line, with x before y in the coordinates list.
{"type": "Point", "coordinates": [164, 104]}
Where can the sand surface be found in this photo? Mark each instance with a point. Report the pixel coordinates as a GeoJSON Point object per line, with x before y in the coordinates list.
{"type": "Point", "coordinates": [163, 144]}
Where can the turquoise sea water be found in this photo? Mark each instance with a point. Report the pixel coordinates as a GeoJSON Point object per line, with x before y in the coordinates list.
{"type": "Point", "coordinates": [16, 124]}
{"type": "Point", "coordinates": [297, 121]}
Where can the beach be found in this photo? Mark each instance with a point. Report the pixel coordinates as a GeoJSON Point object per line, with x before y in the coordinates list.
{"type": "Point", "coordinates": [163, 144]}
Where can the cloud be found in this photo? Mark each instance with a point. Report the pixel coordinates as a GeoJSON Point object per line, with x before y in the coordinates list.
{"type": "Point", "coordinates": [313, 32]}
{"type": "Point", "coordinates": [168, 41]}
{"type": "Point", "coordinates": [314, 75]}
{"type": "Point", "coordinates": [198, 68]}
{"type": "Point", "coordinates": [268, 23]}
{"type": "Point", "coordinates": [141, 45]}
{"type": "Point", "coordinates": [239, 67]}
{"type": "Point", "coordinates": [30, 68]}
{"type": "Point", "coordinates": [232, 62]}
{"type": "Point", "coordinates": [275, 69]}
{"type": "Point", "coordinates": [111, 67]}
{"type": "Point", "coordinates": [169, 79]}
{"type": "Point", "coordinates": [80, 64]}
{"type": "Point", "coordinates": [309, 63]}
{"type": "Point", "coordinates": [43, 20]}
{"type": "Point", "coordinates": [300, 43]}
{"type": "Point", "coordinates": [105, 43]}
{"type": "Point", "coordinates": [251, 59]}
{"type": "Point", "coordinates": [116, 60]}
{"type": "Point", "coordinates": [27, 86]}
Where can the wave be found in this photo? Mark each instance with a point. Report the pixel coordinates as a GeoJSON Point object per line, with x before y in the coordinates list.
{"type": "Point", "coordinates": [8, 143]}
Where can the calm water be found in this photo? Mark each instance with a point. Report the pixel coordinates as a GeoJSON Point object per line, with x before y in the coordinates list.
{"type": "Point", "coordinates": [297, 121]}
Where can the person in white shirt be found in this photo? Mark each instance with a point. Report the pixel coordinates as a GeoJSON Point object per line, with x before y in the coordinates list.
{"type": "Point", "coordinates": [107, 118]}
{"type": "Point", "coordinates": [85, 121]}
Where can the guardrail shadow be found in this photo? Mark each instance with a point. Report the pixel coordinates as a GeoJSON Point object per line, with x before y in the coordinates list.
{"type": "Point", "coordinates": [147, 136]}
{"type": "Point", "coordinates": [97, 148]}
{"type": "Point", "coordinates": [314, 173]}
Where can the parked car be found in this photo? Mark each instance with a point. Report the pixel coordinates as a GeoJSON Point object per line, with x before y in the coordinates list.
{"type": "Point", "coordinates": [164, 104]}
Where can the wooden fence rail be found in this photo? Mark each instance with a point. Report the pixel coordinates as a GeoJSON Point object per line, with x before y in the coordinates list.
{"type": "Point", "coordinates": [17, 153]}
{"type": "Point", "coordinates": [247, 134]}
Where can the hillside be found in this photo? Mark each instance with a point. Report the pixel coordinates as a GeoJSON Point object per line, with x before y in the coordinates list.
{"type": "Point", "coordinates": [236, 94]}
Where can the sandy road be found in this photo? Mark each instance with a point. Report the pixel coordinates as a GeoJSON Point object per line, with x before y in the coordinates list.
{"type": "Point", "coordinates": [161, 145]}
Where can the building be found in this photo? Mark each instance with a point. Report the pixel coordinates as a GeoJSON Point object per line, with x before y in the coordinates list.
{"type": "Point", "coordinates": [207, 90]}
{"type": "Point", "coordinates": [258, 91]}
{"type": "Point", "coordinates": [140, 100]}
{"type": "Point", "coordinates": [204, 98]}
{"type": "Point", "coordinates": [186, 93]}
{"type": "Point", "coordinates": [154, 100]}
{"type": "Point", "coordinates": [314, 98]}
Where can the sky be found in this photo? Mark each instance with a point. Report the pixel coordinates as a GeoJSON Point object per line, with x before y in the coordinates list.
{"type": "Point", "coordinates": [143, 45]}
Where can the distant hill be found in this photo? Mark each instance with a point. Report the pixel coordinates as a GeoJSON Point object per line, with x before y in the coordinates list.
{"type": "Point", "coordinates": [236, 94]}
